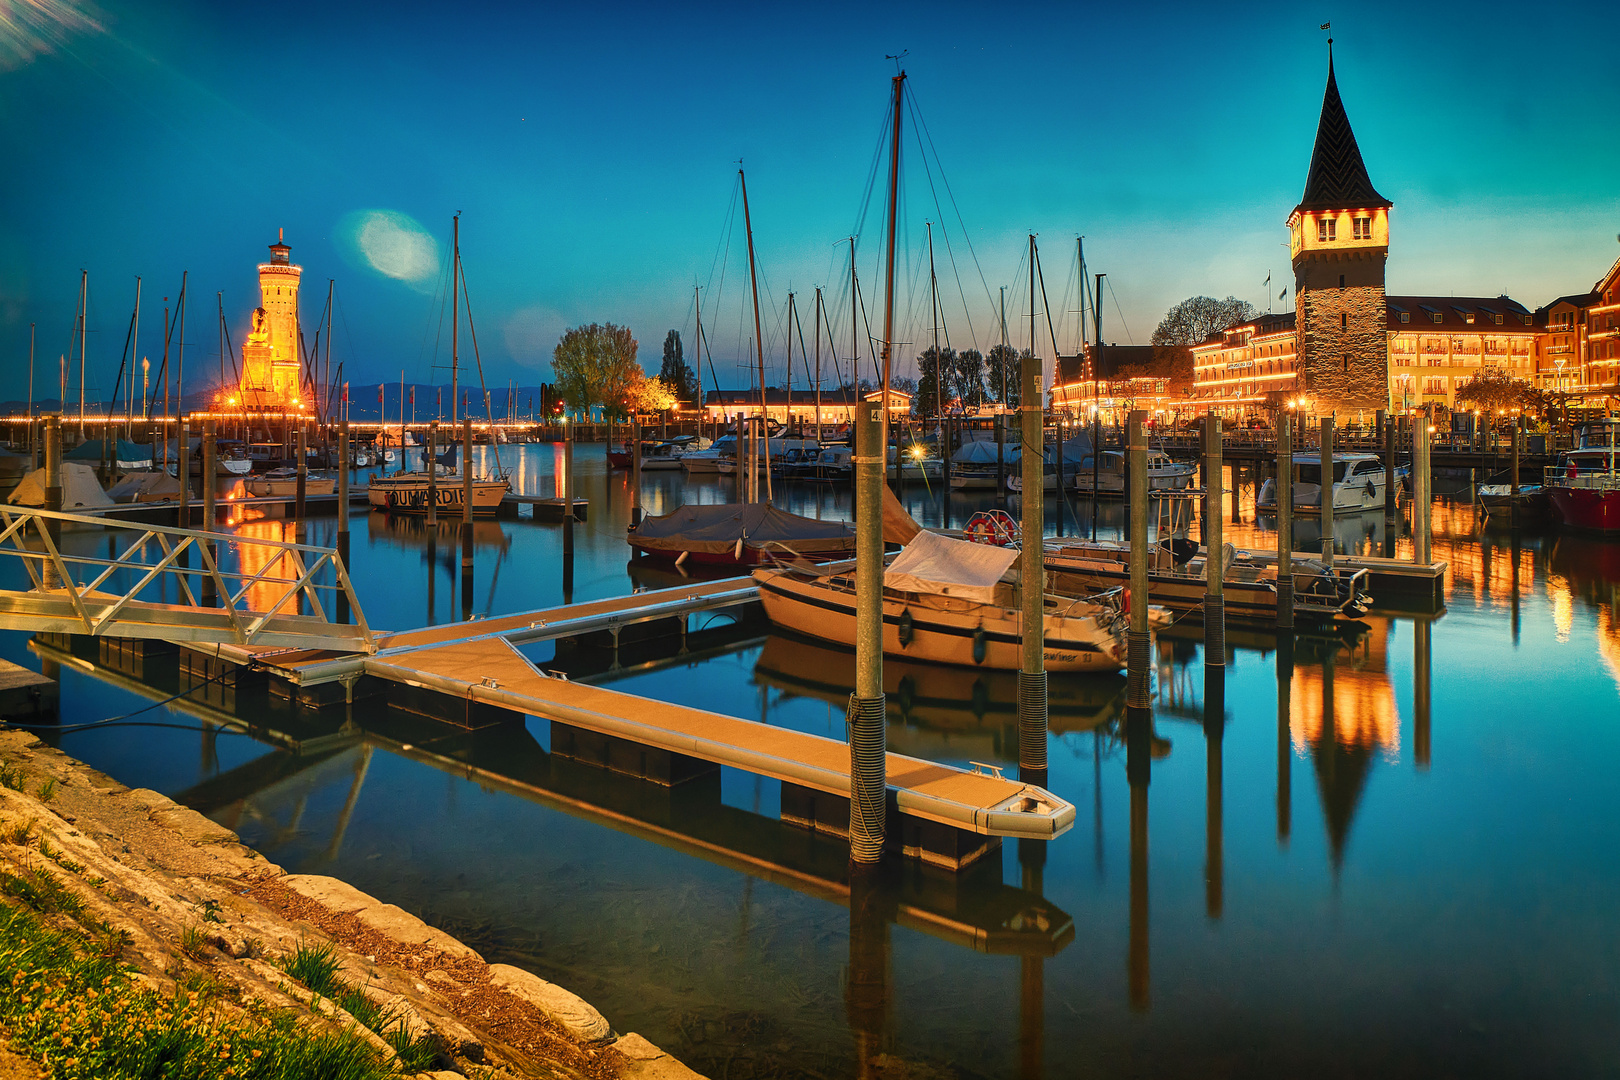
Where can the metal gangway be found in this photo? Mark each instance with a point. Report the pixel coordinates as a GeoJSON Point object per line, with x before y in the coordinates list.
{"type": "Point", "coordinates": [227, 589]}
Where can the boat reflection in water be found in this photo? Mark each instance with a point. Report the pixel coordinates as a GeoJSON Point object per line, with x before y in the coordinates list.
{"type": "Point", "coordinates": [934, 698]}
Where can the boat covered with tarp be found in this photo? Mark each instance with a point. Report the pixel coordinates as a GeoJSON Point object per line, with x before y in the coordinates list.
{"type": "Point", "coordinates": [122, 453]}
{"type": "Point", "coordinates": [80, 489]}
{"type": "Point", "coordinates": [949, 601]}
{"type": "Point", "coordinates": [742, 534]}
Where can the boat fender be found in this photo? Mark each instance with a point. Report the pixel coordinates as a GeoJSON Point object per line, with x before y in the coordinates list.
{"type": "Point", "coordinates": [736, 552]}
{"type": "Point", "coordinates": [1125, 601]}
{"type": "Point", "coordinates": [905, 628]}
{"type": "Point", "coordinates": [978, 645]}
{"type": "Point", "coordinates": [1371, 491]}
{"type": "Point", "coordinates": [980, 700]}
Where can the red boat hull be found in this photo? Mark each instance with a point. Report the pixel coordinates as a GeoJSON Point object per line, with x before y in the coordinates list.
{"type": "Point", "coordinates": [1587, 508]}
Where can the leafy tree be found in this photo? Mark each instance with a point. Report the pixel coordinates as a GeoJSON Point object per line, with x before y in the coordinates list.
{"type": "Point", "coordinates": [1002, 363]}
{"type": "Point", "coordinates": [596, 365]}
{"type": "Point", "coordinates": [1495, 388]}
{"type": "Point", "coordinates": [1192, 321]}
{"type": "Point", "coordinates": [934, 381]}
{"type": "Point", "coordinates": [650, 395]}
{"type": "Point", "coordinates": [970, 377]}
{"type": "Point", "coordinates": [676, 372]}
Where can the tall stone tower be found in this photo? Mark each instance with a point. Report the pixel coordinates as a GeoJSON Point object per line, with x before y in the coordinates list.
{"type": "Point", "coordinates": [1339, 240]}
{"type": "Point", "coordinates": [271, 371]}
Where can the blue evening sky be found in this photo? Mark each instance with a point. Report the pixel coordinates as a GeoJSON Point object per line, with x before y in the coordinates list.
{"type": "Point", "coordinates": [591, 150]}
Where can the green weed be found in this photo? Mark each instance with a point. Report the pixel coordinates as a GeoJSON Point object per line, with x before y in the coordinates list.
{"type": "Point", "coordinates": [194, 943]}
{"type": "Point", "coordinates": [19, 832]}
{"type": "Point", "coordinates": [39, 889]}
{"type": "Point", "coordinates": [47, 790]}
{"type": "Point", "coordinates": [11, 777]}
{"type": "Point", "coordinates": [86, 1017]}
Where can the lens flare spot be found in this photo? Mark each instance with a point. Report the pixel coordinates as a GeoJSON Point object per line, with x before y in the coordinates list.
{"type": "Point", "coordinates": [393, 244]}
{"type": "Point", "coordinates": [30, 28]}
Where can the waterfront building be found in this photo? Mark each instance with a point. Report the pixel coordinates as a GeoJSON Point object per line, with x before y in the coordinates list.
{"type": "Point", "coordinates": [272, 376]}
{"type": "Point", "coordinates": [1561, 344]}
{"type": "Point", "coordinates": [1112, 379]}
{"type": "Point", "coordinates": [1603, 331]}
{"type": "Point", "coordinates": [798, 406]}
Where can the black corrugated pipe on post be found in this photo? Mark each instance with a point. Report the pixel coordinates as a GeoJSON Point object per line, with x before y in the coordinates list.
{"type": "Point", "coordinates": [303, 479]}
{"type": "Point", "coordinates": [466, 518]}
{"type": "Point", "coordinates": [1032, 698]}
{"type": "Point", "coordinates": [1285, 522]}
{"type": "Point", "coordinates": [1328, 494]}
{"type": "Point", "coordinates": [1215, 548]}
{"type": "Point", "coordinates": [53, 491]}
{"type": "Point", "coordinates": [868, 739]}
{"type": "Point", "coordinates": [210, 481]}
{"type": "Point", "coordinates": [343, 511]}
{"type": "Point", "coordinates": [1137, 639]}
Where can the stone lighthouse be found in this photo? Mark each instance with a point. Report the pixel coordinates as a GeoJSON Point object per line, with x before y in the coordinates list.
{"type": "Point", "coordinates": [271, 370]}
{"type": "Point", "coordinates": [1339, 240]}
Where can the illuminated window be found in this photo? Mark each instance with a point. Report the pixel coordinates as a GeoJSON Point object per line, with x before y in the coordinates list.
{"type": "Point", "coordinates": [1326, 229]}
{"type": "Point", "coordinates": [1363, 228]}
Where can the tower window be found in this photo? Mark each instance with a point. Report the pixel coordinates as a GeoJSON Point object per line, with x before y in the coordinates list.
{"type": "Point", "coordinates": [1344, 321]}
{"type": "Point", "coordinates": [1362, 227]}
{"type": "Point", "coordinates": [1341, 281]}
{"type": "Point", "coordinates": [1326, 230]}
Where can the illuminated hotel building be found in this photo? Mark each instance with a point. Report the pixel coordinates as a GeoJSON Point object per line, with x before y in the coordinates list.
{"type": "Point", "coordinates": [1603, 331]}
{"type": "Point", "coordinates": [271, 371]}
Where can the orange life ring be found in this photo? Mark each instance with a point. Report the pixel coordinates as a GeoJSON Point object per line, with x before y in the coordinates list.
{"type": "Point", "coordinates": [1125, 600]}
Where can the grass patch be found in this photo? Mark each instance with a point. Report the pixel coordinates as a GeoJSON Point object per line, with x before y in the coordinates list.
{"type": "Point", "coordinates": [84, 1017]}
{"type": "Point", "coordinates": [19, 832]}
{"type": "Point", "coordinates": [11, 777]}
{"type": "Point", "coordinates": [194, 943]}
{"type": "Point", "coordinates": [38, 888]}
{"type": "Point", "coordinates": [47, 790]}
{"type": "Point", "coordinates": [317, 968]}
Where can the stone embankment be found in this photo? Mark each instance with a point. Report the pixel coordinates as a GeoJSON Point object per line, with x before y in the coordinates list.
{"type": "Point", "coordinates": [195, 905]}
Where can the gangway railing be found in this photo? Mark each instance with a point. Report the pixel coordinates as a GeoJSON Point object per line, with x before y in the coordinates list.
{"type": "Point", "coordinates": [243, 590]}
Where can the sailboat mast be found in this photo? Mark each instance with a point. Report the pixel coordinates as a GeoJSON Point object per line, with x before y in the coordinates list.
{"type": "Point", "coordinates": [135, 348]}
{"type": "Point", "coordinates": [759, 340]}
{"type": "Point", "coordinates": [327, 396]}
{"type": "Point", "coordinates": [789, 336]}
{"type": "Point", "coordinates": [84, 304]}
{"type": "Point", "coordinates": [888, 288]}
{"type": "Point", "coordinates": [933, 307]}
{"type": "Point", "coordinates": [455, 303]}
{"type": "Point", "coordinates": [1003, 364]}
{"type": "Point", "coordinates": [180, 353]}
{"type": "Point", "coordinates": [818, 363]}
{"type": "Point", "coordinates": [854, 327]}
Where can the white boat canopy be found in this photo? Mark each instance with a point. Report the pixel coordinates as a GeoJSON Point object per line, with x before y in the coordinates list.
{"type": "Point", "coordinates": [936, 564]}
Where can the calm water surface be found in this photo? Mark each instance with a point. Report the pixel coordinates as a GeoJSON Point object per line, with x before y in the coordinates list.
{"type": "Point", "coordinates": [1393, 854]}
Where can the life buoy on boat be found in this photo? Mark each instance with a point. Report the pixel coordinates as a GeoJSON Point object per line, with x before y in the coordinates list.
{"type": "Point", "coordinates": [990, 527]}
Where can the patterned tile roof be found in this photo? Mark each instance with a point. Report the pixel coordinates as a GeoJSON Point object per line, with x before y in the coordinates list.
{"type": "Point", "coordinates": [1338, 178]}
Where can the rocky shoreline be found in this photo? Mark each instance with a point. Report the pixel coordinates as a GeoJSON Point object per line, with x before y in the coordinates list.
{"type": "Point", "coordinates": [195, 906]}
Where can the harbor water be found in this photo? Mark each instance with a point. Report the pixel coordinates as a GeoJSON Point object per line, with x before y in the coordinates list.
{"type": "Point", "coordinates": [1388, 852]}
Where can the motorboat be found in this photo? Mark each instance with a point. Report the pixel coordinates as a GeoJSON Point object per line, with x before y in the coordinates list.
{"type": "Point", "coordinates": [1584, 487]}
{"type": "Point", "coordinates": [1358, 483]}
{"type": "Point", "coordinates": [974, 468]}
{"type": "Point", "coordinates": [1178, 579]}
{"type": "Point", "coordinates": [669, 454]}
{"type": "Point", "coordinates": [954, 602]}
{"type": "Point", "coordinates": [284, 481]}
{"type": "Point", "coordinates": [408, 492]}
{"type": "Point", "coordinates": [1104, 473]}
{"type": "Point", "coordinates": [708, 461]}
{"type": "Point", "coordinates": [739, 534]}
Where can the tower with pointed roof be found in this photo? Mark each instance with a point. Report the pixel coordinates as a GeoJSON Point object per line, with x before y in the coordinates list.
{"type": "Point", "coordinates": [271, 369]}
{"type": "Point", "coordinates": [1339, 241]}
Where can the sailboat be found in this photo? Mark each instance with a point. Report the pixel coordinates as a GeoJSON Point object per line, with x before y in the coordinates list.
{"type": "Point", "coordinates": [445, 489]}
